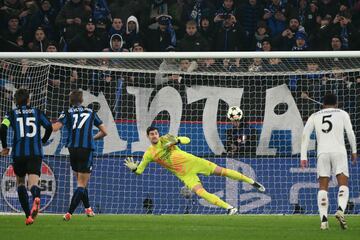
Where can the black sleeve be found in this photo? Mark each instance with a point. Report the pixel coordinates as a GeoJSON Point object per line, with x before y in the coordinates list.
{"type": "Point", "coordinates": [3, 135]}
{"type": "Point", "coordinates": [47, 135]}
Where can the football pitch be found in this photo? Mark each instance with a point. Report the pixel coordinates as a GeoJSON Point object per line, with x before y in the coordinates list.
{"type": "Point", "coordinates": [172, 227]}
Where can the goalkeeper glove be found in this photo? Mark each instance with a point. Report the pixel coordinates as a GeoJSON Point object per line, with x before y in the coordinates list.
{"type": "Point", "coordinates": [131, 164]}
{"type": "Point", "coordinates": [183, 140]}
{"type": "Point", "coordinates": [170, 139]}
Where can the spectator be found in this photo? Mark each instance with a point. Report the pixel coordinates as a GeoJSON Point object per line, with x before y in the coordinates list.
{"type": "Point", "coordinates": [116, 44]}
{"type": "Point", "coordinates": [276, 14]}
{"type": "Point", "coordinates": [207, 30]}
{"type": "Point", "coordinates": [346, 31]}
{"type": "Point", "coordinates": [29, 8]}
{"type": "Point", "coordinates": [13, 35]}
{"type": "Point", "coordinates": [287, 40]}
{"type": "Point", "coordinates": [87, 41]}
{"type": "Point", "coordinates": [260, 34]}
{"type": "Point", "coordinates": [163, 37]}
{"type": "Point", "coordinates": [132, 33]}
{"type": "Point", "coordinates": [250, 15]}
{"type": "Point", "coordinates": [311, 19]}
{"type": "Point", "coordinates": [196, 9]}
{"type": "Point", "coordinates": [266, 45]}
{"type": "Point", "coordinates": [336, 44]}
{"type": "Point", "coordinates": [52, 47]}
{"type": "Point", "coordinates": [40, 41]}
{"type": "Point", "coordinates": [45, 18]}
{"type": "Point", "coordinates": [101, 28]}
{"type": "Point", "coordinates": [71, 18]}
{"type": "Point", "coordinates": [227, 8]}
{"type": "Point", "coordinates": [137, 47]}
{"type": "Point", "coordinates": [256, 65]}
{"type": "Point", "coordinates": [227, 36]}
{"type": "Point", "coordinates": [187, 66]}
{"type": "Point", "coordinates": [300, 42]}
{"type": "Point", "coordinates": [322, 34]}
{"type": "Point", "coordinates": [10, 8]}
{"type": "Point", "coordinates": [192, 41]}
{"type": "Point", "coordinates": [157, 9]}
{"type": "Point", "coordinates": [117, 27]}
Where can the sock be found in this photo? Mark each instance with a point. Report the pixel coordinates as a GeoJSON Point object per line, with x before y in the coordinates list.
{"type": "Point", "coordinates": [323, 205]}
{"type": "Point", "coordinates": [76, 198]}
{"type": "Point", "coordinates": [85, 198]}
{"type": "Point", "coordinates": [212, 198]}
{"type": "Point", "coordinates": [343, 197]}
{"type": "Point", "coordinates": [236, 175]}
{"type": "Point", "coordinates": [35, 191]}
{"type": "Point", "coordinates": [24, 199]}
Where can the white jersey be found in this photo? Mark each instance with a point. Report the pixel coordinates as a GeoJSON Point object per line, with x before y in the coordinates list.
{"type": "Point", "coordinates": [329, 125]}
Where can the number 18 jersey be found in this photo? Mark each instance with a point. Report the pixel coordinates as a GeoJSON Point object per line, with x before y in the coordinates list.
{"type": "Point", "coordinates": [79, 122]}
{"type": "Point", "coordinates": [329, 125]}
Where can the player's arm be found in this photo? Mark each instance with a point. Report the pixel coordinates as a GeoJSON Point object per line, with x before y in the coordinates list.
{"type": "Point", "coordinates": [45, 122]}
{"type": "Point", "coordinates": [60, 122]}
{"type": "Point", "coordinates": [308, 129]}
{"type": "Point", "coordinates": [135, 166]}
{"type": "Point", "coordinates": [3, 136]}
{"type": "Point", "coordinates": [351, 137]}
{"type": "Point", "coordinates": [100, 125]}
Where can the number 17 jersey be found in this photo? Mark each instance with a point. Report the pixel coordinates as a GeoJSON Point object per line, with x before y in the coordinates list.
{"type": "Point", "coordinates": [79, 122]}
{"type": "Point", "coordinates": [329, 125]}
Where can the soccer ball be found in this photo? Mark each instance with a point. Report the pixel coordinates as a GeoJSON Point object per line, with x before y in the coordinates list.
{"type": "Point", "coordinates": [235, 113]}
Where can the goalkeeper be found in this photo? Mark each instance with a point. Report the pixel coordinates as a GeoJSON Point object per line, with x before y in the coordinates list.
{"type": "Point", "coordinates": [185, 166]}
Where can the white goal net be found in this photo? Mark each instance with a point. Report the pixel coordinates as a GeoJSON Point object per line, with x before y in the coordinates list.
{"type": "Point", "coordinates": [186, 95]}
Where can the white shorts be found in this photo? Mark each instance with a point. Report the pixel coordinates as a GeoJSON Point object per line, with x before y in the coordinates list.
{"type": "Point", "coordinates": [332, 163]}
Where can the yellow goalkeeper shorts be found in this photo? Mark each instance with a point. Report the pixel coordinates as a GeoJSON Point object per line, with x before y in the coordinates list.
{"type": "Point", "coordinates": [197, 166]}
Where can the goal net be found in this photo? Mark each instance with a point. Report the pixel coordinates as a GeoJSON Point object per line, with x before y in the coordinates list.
{"type": "Point", "coordinates": [186, 94]}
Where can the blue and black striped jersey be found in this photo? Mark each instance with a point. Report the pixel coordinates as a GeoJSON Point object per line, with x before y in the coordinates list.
{"type": "Point", "coordinates": [79, 121]}
{"type": "Point", "coordinates": [25, 122]}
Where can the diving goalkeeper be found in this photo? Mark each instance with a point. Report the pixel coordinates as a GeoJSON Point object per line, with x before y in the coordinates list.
{"type": "Point", "coordinates": [186, 166]}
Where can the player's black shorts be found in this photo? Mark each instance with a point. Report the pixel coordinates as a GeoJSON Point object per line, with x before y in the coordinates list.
{"type": "Point", "coordinates": [81, 159]}
{"type": "Point", "coordinates": [27, 165]}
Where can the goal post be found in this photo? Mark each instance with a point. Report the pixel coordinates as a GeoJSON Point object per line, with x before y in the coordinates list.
{"type": "Point", "coordinates": [186, 94]}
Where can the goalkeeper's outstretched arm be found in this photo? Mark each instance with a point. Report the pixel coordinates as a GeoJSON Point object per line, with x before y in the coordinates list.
{"type": "Point", "coordinates": [171, 140]}
{"type": "Point", "coordinates": [137, 167]}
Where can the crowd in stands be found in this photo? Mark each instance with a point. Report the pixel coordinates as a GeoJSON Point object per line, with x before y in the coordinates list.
{"type": "Point", "coordinates": [179, 25]}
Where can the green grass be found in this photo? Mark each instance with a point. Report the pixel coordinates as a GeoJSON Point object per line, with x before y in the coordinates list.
{"type": "Point", "coordinates": [172, 227]}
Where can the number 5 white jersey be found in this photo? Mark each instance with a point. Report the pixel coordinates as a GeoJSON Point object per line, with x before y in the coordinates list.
{"type": "Point", "coordinates": [329, 125]}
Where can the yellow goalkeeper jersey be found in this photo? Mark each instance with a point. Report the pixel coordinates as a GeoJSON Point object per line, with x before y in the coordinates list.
{"type": "Point", "coordinates": [172, 158]}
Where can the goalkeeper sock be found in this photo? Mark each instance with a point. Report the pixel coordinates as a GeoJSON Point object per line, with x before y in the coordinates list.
{"type": "Point", "coordinates": [76, 198]}
{"type": "Point", "coordinates": [323, 204]}
{"type": "Point", "coordinates": [85, 198]}
{"type": "Point", "coordinates": [236, 175]}
{"type": "Point", "coordinates": [24, 199]}
{"type": "Point", "coordinates": [343, 197]}
{"type": "Point", "coordinates": [212, 198]}
{"type": "Point", "coordinates": [35, 191]}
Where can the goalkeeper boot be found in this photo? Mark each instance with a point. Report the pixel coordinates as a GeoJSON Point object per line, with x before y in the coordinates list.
{"type": "Point", "coordinates": [232, 211]}
{"type": "Point", "coordinates": [259, 186]}
{"type": "Point", "coordinates": [67, 217]}
{"type": "Point", "coordinates": [89, 212]}
{"type": "Point", "coordinates": [324, 225]}
{"type": "Point", "coordinates": [340, 216]}
{"type": "Point", "coordinates": [29, 220]}
{"type": "Point", "coordinates": [35, 208]}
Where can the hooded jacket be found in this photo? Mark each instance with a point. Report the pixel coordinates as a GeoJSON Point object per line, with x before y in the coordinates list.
{"type": "Point", "coordinates": [131, 37]}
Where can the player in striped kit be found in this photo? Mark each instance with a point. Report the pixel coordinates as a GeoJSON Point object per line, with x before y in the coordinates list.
{"type": "Point", "coordinates": [27, 152]}
{"type": "Point", "coordinates": [79, 121]}
{"type": "Point", "coordinates": [329, 124]}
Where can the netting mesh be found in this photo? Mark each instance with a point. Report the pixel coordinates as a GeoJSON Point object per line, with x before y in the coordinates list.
{"type": "Point", "coordinates": [187, 97]}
